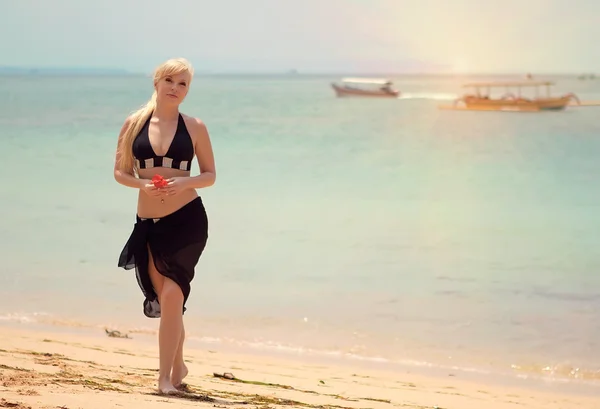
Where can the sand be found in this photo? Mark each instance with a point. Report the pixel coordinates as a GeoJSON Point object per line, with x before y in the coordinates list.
{"type": "Point", "coordinates": [40, 369]}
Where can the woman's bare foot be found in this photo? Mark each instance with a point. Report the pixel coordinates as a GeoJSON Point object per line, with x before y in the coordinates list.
{"type": "Point", "coordinates": [178, 373]}
{"type": "Point", "coordinates": [165, 387]}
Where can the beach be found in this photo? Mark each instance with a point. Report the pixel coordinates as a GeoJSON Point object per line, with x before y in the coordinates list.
{"type": "Point", "coordinates": [444, 249]}
{"type": "Point", "coordinates": [402, 216]}
{"type": "Point", "coordinates": [41, 369]}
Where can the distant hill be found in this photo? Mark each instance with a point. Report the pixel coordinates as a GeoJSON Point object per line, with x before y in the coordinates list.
{"type": "Point", "coordinates": [5, 70]}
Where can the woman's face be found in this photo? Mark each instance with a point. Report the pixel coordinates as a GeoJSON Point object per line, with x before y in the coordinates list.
{"type": "Point", "coordinates": [173, 88]}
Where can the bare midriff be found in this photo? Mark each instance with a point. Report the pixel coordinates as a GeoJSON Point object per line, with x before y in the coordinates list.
{"type": "Point", "coordinates": [159, 206]}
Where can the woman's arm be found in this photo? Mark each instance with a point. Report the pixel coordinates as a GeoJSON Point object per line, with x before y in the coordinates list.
{"type": "Point", "coordinates": [125, 178]}
{"type": "Point", "coordinates": [204, 153]}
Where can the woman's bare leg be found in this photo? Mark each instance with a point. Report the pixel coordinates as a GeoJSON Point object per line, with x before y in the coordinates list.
{"type": "Point", "coordinates": [180, 371]}
{"type": "Point", "coordinates": [169, 334]}
{"type": "Point", "coordinates": [170, 298]}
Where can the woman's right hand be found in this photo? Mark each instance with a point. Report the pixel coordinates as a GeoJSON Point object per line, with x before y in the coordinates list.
{"type": "Point", "coordinates": [150, 189]}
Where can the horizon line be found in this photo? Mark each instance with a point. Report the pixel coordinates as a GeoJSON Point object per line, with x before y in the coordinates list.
{"type": "Point", "coordinates": [41, 70]}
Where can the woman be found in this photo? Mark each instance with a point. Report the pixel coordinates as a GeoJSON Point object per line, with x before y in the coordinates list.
{"type": "Point", "coordinates": [171, 226]}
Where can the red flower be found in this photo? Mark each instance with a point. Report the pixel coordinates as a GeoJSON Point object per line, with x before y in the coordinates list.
{"type": "Point", "coordinates": [159, 181]}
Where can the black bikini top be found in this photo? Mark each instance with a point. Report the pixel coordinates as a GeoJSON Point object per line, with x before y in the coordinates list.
{"type": "Point", "coordinates": [179, 155]}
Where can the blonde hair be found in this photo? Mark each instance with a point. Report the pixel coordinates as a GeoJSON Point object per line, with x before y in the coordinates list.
{"type": "Point", "coordinates": [138, 118]}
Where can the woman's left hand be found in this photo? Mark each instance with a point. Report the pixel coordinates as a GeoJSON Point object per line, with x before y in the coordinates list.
{"type": "Point", "coordinates": [175, 185]}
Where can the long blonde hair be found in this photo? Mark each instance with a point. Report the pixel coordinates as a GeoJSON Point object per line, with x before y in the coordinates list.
{"type": "Point", "coordinates": [138, 118]}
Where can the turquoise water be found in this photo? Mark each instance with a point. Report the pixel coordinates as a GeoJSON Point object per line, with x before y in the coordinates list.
{"type": "Point", "coordinates": [382, 230]}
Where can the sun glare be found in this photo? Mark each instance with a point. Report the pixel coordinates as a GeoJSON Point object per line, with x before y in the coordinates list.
{"type": "Point", "coordinates": [460, 66]}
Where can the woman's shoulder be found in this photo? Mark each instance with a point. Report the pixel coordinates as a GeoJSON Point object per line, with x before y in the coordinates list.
{"type": "Point", "coordinates": [126, 124]}
{"type": "Point", "coordinates": [192, 120]}
{"type": "Point", "coordinates": [195, 126]}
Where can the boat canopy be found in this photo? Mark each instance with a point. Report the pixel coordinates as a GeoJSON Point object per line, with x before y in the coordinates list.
{"type": "Point", "coordinates": [380, 81]}
{"type": "Point", "coordinates": [508, 84]}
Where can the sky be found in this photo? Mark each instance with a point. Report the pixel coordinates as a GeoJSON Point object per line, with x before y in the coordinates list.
{"type": "Point", "coordinates": [312, 36]}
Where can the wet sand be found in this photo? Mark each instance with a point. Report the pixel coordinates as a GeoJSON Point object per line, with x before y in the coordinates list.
{"type": "Point", "coordinates": [40, 369]}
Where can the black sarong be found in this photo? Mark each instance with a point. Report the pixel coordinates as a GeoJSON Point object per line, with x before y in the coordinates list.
{"type": "Point", "coordinates": [176, 242]}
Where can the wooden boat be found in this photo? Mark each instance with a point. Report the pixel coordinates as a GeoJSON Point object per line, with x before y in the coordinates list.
{"type": "Point", "coordinates": [365, 87]}
{"type": "Point", "coordinates": [509, 101]}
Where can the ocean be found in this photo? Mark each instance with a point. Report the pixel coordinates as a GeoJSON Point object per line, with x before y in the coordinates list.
{"type": "Point", "coordinates": [383, 232]}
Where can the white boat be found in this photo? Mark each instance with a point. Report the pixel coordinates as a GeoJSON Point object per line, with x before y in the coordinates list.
{"type": "Point", "coordinates": [365, 87]}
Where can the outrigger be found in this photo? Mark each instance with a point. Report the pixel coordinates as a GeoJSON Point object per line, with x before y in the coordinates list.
{"type": "Point", "coordinates": [481, 100]}
{"type": "Point", "coordinates": [359, 87]}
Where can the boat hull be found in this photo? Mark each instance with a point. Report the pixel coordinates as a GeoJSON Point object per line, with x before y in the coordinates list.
{"type": "Point", "coordinates": [481, 99]}
{"type": "Point", "coordinates": [343, 92]}
{"type": "Point", "coordinates": [521, 104]}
